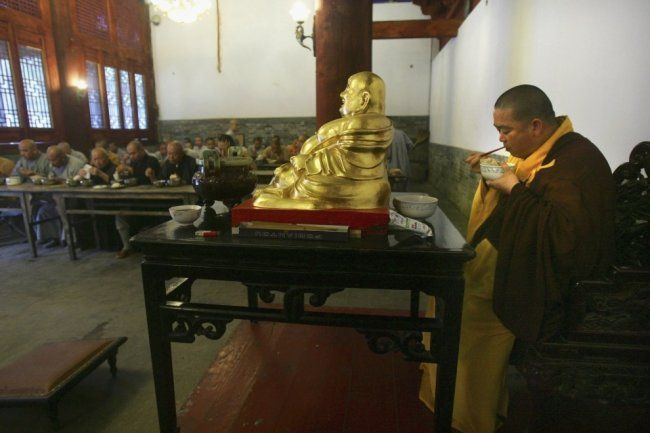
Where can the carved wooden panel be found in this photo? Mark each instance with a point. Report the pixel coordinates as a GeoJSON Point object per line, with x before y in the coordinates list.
{"type": "Point", "coordinates": [92, 18]}
{"type": "Point", "coordinates": [128, 23]}
{"type": "Point", "coordinates": [30, 7]}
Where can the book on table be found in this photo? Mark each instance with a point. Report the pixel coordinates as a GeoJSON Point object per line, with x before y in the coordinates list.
{"type": "Point", "coordinates": [291, 231]}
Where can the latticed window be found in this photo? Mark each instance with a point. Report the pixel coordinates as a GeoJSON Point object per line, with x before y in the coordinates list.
{"type": "Point", "coordinates": [8, 111]}
{"type": "Point", "coordinates": [118, 101]}
{"type": "Point", "coordinates": [127, 106]}
{"type": "Point", "coordinates": [36, 95]}
{"type": "Point", "coordinates": [94, 96]}
{"type": "Point", "coordinates": [141, 101]}
{"type": "Point", "coordinates": [112, 99]}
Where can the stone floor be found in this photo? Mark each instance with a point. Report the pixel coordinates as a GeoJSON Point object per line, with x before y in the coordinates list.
{"type": "Point", "coordinates": [51, 298]}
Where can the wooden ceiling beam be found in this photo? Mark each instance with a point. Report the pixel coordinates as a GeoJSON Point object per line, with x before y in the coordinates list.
{"type": "Point", "coordinates": [441, 28]}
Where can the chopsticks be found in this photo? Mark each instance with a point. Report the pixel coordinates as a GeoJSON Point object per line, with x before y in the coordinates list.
{"type": "Point", "coordinates": [491, 151]}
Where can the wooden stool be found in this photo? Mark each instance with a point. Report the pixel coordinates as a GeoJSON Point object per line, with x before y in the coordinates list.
{"type": "Point", "coordinates": [44, 375]}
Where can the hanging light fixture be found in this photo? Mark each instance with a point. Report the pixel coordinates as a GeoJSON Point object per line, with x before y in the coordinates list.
{"type": "Point", "coordinates": [181, 11]}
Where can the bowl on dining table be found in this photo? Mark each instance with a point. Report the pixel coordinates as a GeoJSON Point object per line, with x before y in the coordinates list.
{"type": "Point", "coordinates": [174, 181]}
{"type": "Point", "coordinates": [48, 181]}
{"type": "Point", "coordinates": [186, 213]}
{"type": "Point", "coordinates": [417, 206]}
{"type": "Point", "coordinates": [159, 183]}
{"type": "Point", "coordinates": [37, 179]}
{"type": "Point", "coordinates": [491, 168]}
{"type": "Point", "coordinates": [130, 181]}
{"type": "Point", "coordinates": [14, 180]}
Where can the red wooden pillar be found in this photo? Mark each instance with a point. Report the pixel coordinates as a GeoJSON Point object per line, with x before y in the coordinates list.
{"type": "Point", "coordinates": [343, 30]}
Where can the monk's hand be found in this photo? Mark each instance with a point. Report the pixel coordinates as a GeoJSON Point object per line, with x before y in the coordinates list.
{"type": "Point", "coordinates": [150, 173]}
{"type": "Point", "coordinates": [26, 172]}
{"type": "Point", "coordinates": [506, 182]}
{"type": "Point", "coordinates": [474, 161]}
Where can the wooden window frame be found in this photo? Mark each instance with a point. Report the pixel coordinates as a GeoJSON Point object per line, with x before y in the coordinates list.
{"type": "Point", "coordinates": [15, 36]}
{"type": "Point", "coordinates": [102, 60]}
{"type": "Point", "coordinates": [19, 28]}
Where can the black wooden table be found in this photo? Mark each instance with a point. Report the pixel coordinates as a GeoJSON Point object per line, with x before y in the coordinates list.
{"type": "Point", "coordinates": [305, 271]}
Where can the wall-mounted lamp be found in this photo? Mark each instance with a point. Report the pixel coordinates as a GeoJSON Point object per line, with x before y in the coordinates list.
{"type": "Point", "coordinates": [299, 13]}
{"type": "Point", "coordinates": [81, 86]}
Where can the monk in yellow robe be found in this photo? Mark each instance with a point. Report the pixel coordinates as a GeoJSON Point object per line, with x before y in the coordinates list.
{"type": "Point", "coordinates": [343, 165]}
{"type": "Point", "coordinates": [536, 231]}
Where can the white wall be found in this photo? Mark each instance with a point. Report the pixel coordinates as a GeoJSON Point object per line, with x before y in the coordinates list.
{"type": "Point", "coordinates": [404, 64]}
{"type": "Point", "coordinates": [265, 73]}
{"type": "Point", "coordinates": [590, 56]}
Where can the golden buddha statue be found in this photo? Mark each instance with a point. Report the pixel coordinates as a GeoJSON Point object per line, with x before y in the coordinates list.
{"type": "Point", "coordinates": [342, 166]}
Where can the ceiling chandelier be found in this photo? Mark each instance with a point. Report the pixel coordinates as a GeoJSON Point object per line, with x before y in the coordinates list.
{"type": "Point", "coordinates": [181, 11]}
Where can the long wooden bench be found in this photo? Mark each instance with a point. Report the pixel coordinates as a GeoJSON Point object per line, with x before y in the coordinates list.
{"type": "Point", "coordinates": [44, 375]}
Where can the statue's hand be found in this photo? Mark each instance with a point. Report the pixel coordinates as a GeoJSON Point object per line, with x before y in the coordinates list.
{"type": "Point", "coordinates": [299, 162]}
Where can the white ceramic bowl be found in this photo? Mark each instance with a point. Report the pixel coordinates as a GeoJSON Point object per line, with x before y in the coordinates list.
{"type": "Point", "coordinates": [490, 171]}
{"type": "Point", "coordinates": [415, 205]}
{"type": "Point", "coordinates": [185, 214]}
{"type": "Point", "coordinates": [14, 180]}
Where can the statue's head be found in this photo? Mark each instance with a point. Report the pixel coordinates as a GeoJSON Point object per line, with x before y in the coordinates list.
{"type": "Point", "coordinates": [364, 94]}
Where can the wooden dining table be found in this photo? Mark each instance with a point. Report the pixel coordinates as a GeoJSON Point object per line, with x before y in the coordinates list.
{"type": "Point", "coordinates": [140, 200]}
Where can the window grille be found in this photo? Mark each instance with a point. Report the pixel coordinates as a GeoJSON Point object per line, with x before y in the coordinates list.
{"type": "Point", "coordinates": [110, 75]}
{"type": "Point", "coordinates": [94, 96]}
{"type": "Point", "coordinates": [8, 111]}
{"type": "Point", "coordinates": [127, 106]}
{"type": "Point", "coordinates": [141, 101]}
{"type": "Point", "coordinates": [36, 95]}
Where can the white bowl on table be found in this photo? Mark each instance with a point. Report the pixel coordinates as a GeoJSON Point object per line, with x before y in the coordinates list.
{"type": "Point", "coordinates": [185, 214]}
{"type": "Point", "coordinates": [415, 205]}
{"type": "Point", "coordinates": [14, 180]}
{"type": "Point", "coordinates": [490, 169]}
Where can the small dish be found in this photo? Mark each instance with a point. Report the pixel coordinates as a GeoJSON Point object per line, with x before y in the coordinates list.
{"type": "Point", "coordinates": [185, 214]}
{"type": "Point", "coordinates": [417, 206]}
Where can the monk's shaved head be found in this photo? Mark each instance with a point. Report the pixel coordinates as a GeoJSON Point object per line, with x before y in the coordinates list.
{"type": "Point", "coordinates": [527, 102]}
{"type": "Point", "coordinates": [27, 149]}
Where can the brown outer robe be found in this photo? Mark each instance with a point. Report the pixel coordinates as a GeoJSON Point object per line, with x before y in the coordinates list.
{"type": "Point", "coordinates": [549, 234]}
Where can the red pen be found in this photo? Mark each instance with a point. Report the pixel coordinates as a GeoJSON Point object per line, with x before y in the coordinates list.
{"type": "Point", "coordinates": [206, 233]}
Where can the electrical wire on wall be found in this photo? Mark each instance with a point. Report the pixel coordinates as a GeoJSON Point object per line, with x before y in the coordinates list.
{"type": "Point", "coordinates": [218, 38]}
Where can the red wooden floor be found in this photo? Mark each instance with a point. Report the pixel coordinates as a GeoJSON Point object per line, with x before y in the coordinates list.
{"type": "Point", "coordinates": [277, 378]}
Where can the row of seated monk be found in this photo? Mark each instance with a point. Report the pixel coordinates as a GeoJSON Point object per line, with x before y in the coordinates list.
{"type": "Point", "coordinates": [275, 153]}
{"type": "Point", "coordinates": [61, 162]}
